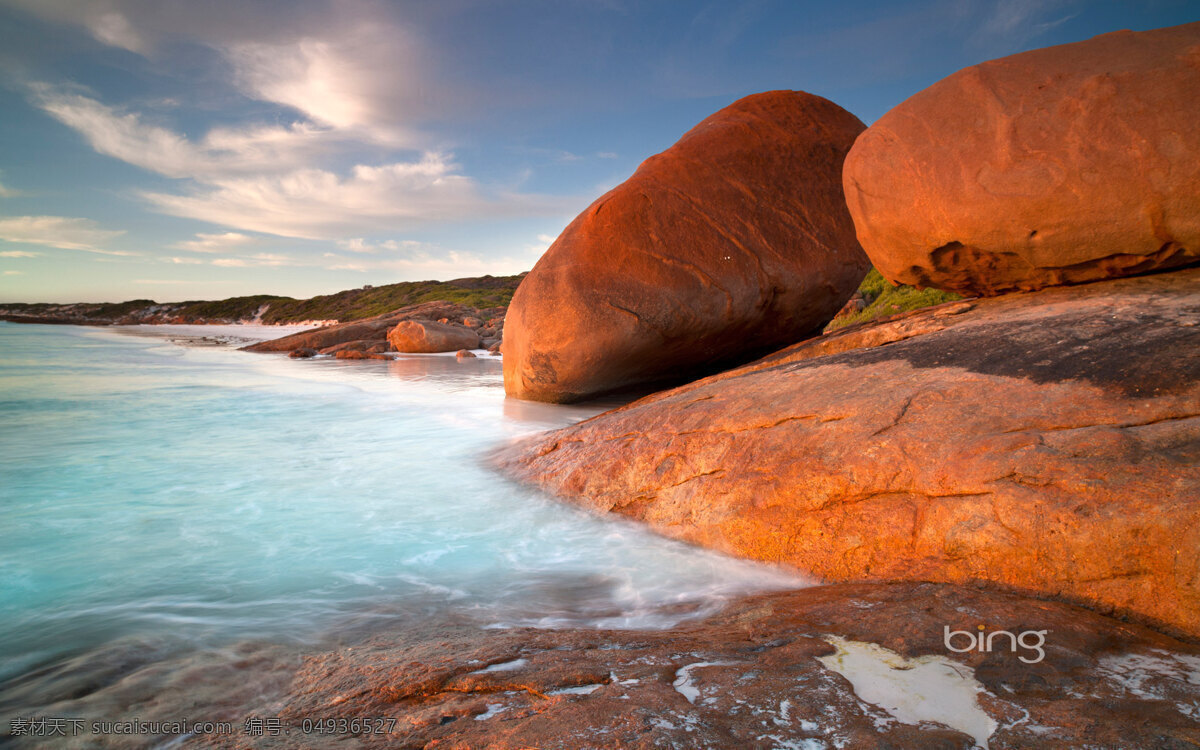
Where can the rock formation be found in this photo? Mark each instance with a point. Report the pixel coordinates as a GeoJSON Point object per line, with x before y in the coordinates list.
{"type": "Point", "coordinates": [734, 241]}
{"type": "Point", "coordinates": [1056, 166]}
{"type": "Point", "coordinates": [425, 336]}
{"type": "Point", "coordinates": [1046, 443]}
{"type": "Point", "coordinates": [370, 335]}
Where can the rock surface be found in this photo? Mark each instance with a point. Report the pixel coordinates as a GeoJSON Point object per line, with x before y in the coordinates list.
{"type": "Point", "coordinates": [370, 334]}
{"type": "Point", "coordinates": [1046, 443]}
{"type": "Point", "coordinates": [763, 674]}
{"type": "Point", "coordinates": [1056, 166]}
{"type": "Point", "coordinates": [426, 336]}
{"type": "Point", "coordinates": [732, 242]}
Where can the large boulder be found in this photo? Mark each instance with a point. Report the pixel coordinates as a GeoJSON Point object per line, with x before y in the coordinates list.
{"type": "Point", "coordinates": [1057, 166]}
{"type": "Point", "coordinates": [426, 336]}
{"type": "Point", "coordinates": [1047, 443]}
{"type": "Point", "coordinates": [734, 241]}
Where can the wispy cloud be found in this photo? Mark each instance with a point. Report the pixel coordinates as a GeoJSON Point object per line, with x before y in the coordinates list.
{"type": "Point", "coordinates": [215, 243]}
{"type": "Point", "coordinates": [320, 204]}
{"type": "Point", "coordinates": [360, 245]}
{"type": "Point", "coordinates": [18, 254]}
{"type": "Point", "coordinates": [14, 273]}
{"type": "Point", "coordinates": [59, 231]}
{"type": "Point", "coordinates": [221, 153]}
{"type": "Point", "coordinates": [260, 259]}
{"type": "Point", "coordinates": [261, 178]}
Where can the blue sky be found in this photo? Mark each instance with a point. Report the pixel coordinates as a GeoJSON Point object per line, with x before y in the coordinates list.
{"type": "Point", "coordinates": [173, 149]}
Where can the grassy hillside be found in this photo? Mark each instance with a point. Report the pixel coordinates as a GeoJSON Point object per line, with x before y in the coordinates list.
{"type": "Point", "coordinates": [351, 304]}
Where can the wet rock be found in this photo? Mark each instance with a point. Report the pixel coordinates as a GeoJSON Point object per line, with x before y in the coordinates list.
{"type": "Point", "coordinates": [302, 353]}
{"type": "Point", "coordinates": [1056, 166]}
{"type": "Point", "coordinates": [777, 670]}
{"type": "Point", "coordinates": [464, 354]}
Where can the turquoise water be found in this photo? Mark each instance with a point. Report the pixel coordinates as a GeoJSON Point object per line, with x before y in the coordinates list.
{"type": "Point", "coordinates": [151, 489]}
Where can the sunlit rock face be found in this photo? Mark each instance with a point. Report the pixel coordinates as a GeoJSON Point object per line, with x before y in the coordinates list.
{"type": "Point", "coordinates": [1045, 442]}
{"type": "Point", "coordinates": [1057, 166]}
{"type": "Point", "coordinates": [733, 241]}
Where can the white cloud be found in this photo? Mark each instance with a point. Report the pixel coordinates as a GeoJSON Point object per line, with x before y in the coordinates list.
{"type": "Point", "coordinates": [261, 259]}
{"type": "Point", "coordinates": [58, 231]}
{"type": "Point", "coordinates": [358, 78]}
{"type": "Point", "coordinates": [360, 245]}
{"type": "Point", "coordinates": [18, 254]}
{"type": "Point", "coordinates": [262, 178]}
{"type": "Point", "coordinates": [14, 273]}
{"type": "Point", "coordinates": [113, 28]}
{"type": "Point", "coordinates": [318, 204]}
{"type": "Point", "coordinates": [222, 152]}
{"type": "Point", "coordinates": [215, 243]}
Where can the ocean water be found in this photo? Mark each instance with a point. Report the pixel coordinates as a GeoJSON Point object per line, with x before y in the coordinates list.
{"type": "Point", "coordinates": [199, 496]}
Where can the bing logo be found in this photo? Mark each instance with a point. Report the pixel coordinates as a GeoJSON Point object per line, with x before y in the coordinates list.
{"type": "Point", "coordinates": [984, 642]}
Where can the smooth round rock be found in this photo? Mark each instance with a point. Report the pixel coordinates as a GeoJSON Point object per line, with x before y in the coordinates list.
{"type": "Point", "coordinates": [732, 242]}
{"type": "Point", "coordinates": [1058, 166]}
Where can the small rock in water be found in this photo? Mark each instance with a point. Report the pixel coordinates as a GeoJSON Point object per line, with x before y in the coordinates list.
{"type": "Point", "coordinates": [465, 354]}
{"type": "Point", "coordinates": [303, 352]}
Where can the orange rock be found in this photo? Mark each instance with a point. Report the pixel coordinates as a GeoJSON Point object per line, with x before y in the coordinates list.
{"type": "Point", "coordinates": [1048, 443]}
{"type": "Point", "coordinates": [732, 242]}
{"type": "Point", "coordinates": [424, 336]}
{"type": "Point", "coordinates": [1057, 166]}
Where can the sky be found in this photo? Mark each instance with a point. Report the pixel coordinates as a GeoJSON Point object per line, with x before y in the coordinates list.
{"type": "Point", "coordinates": [175, 150]}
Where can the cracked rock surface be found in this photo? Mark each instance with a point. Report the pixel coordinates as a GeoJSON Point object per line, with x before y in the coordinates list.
{"type": "Point", "coordinates": [1046, 442]}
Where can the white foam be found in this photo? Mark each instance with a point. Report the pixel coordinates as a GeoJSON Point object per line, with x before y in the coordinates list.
{"type": "Point", "coordinates": [924, 689]}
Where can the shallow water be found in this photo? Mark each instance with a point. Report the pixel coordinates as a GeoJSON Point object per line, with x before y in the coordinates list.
{"type": "Point", "coordinates": [196, 496]}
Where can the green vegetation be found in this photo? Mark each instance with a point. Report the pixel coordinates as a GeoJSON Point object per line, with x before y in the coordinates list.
{"type": "Point", "coordinates": [234, 308]}
{"type": "Point", "coordinates": [883, 300]}
{"type": "Point", "coordinates": [354, 304]}
{"type": "Point", "coordinates": [351, 304]}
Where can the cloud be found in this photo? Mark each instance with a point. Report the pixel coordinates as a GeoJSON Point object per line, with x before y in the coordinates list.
{"type": "Point", "coordinates": [14, 273]}
{"type": "Point", "coordinates": [263, 178]}
{"type": "Point", "coordinates": [261, 259]}
{"type": "Point", "coordinates": [349, 64]}
{"type": "Point", "coordinates": [58, 231]}
{"type": "Point", "coordinates": [18, 254]}
{"type": "Point", "coordinates": [359, 78]}
{"type": "Point", "coordinates": [360, 245]}
{"type": "Point", "coordinates": [222, 152]}
{"type": "Point", "coordinates": [7, 192]}
{"type": "Point", "coordinates": [319, 204]}
{"type": "Point", "coordinates": [215, 243]}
